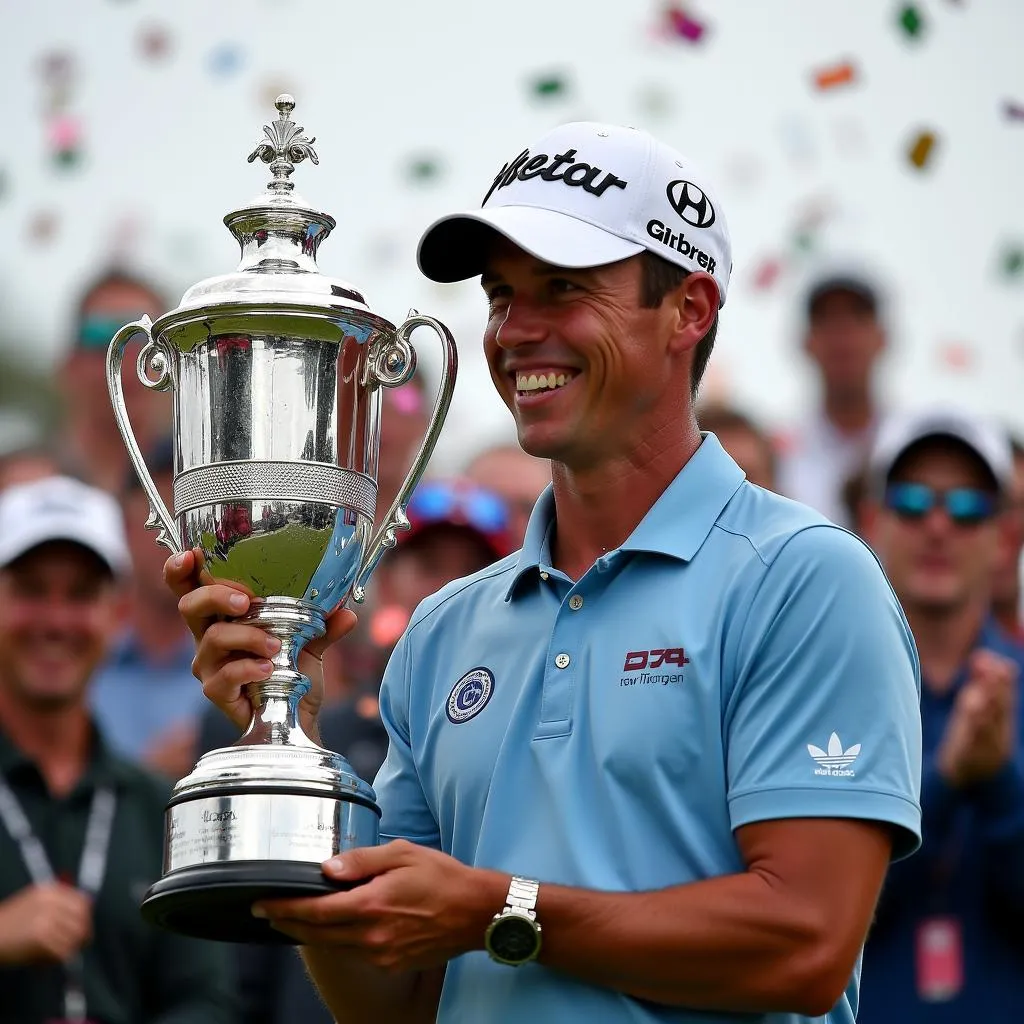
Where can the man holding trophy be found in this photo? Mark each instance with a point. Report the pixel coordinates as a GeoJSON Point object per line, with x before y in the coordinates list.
{"type": "Point", "coordinates": [682, 810]}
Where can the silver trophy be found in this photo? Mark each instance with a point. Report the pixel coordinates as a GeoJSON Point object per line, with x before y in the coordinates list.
{"type": "Point", "coordinates": [276, 372]}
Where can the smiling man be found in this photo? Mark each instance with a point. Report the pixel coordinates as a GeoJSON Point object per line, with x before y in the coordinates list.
{"type": "Point", "coordinates": [654, 766]}
{"type": "Point", "coordinates": [80, 829]}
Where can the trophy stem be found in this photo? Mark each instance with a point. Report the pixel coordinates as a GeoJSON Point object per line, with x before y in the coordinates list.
{"type": "Point", "coordinates": [275, 700]}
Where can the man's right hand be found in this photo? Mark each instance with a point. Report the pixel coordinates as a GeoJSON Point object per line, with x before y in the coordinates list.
{"type": "Point", "coordinates": [981, 734]}
{"type": "Point", "coordinates": [44, 924]}
{"type": "Point", "coordinates": [231, 654]}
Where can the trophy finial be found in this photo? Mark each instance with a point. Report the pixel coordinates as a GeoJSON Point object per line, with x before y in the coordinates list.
{"type": "Point", "coordinates": [284, 146]}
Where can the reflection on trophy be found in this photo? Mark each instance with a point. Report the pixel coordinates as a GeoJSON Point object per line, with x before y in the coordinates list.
{"type": "Point", "coordinates": [276, 373]}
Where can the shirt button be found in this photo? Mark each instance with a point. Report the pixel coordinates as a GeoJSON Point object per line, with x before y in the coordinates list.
{"type": "Point", "coordinates": [562, 660]}
{"type": "Point", "coordinates": [543, 575]}
{"type": "Point", "coordinates": [575, 602]}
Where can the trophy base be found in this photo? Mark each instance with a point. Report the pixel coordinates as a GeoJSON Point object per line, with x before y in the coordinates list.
{"type": "Point", "coordinates": [214, 901]}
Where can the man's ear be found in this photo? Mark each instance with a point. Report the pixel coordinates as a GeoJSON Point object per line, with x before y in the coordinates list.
{"type": "Point", "coordinates": [695, 306]}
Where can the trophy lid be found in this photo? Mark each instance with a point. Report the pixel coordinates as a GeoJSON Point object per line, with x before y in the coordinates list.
{"type": "Point", "coordinates": [279, 234]}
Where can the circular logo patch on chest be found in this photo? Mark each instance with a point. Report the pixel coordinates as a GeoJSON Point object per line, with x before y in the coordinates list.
{"type": "Point", "coordinates": [470, 695]}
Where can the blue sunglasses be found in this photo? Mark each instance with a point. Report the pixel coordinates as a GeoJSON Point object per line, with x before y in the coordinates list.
{"type": "Point", "coordinates": [436, 501]}
{"type": "Point", "coordinates": [966, 506]}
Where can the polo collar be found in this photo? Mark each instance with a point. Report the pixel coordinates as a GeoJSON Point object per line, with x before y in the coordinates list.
{"type": "Point", "coordinates": [675, 526]}
{"type": "Point", "coordinates": [103, 767]}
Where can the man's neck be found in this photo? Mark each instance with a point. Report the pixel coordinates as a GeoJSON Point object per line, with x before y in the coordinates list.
{"type": "Point", "coordinates": [850, 412]}
{"type": "Point", "coordinates": [1007, 613]}
{"type": "Point", "coordinates": [944, 639]}
{"type": "Point", "coordinates": [597, 509]}
{"type": "Point", "coordinates": [56, 741]}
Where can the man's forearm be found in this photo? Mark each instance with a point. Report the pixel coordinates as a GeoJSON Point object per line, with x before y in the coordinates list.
{"type": "Point", "coordinates": [732, 943]}
{"type": "Point", "coordinates": [356, 991]}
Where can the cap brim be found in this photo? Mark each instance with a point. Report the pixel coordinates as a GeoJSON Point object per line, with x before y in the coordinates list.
{"type": "Point", "coordinates": [47, 533]}
{"type": "Point", "coordinates": [457, 246]}
{"type": "Point", "coordinates": [854, 285]}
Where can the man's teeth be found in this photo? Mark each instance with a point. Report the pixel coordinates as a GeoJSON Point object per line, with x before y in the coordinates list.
{"type": "Point", "coordinates": [538, 382]}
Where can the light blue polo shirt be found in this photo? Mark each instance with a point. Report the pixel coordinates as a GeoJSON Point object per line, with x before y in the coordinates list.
{"type": "Point", "coordinates": [738, 659]}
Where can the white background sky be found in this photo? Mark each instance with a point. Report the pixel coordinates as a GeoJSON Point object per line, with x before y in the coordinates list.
{"type": "Point", "coordinates": [380, 83]}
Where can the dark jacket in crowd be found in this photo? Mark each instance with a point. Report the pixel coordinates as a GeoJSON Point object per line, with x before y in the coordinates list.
{"type": "Point", "coordinates": [948, 943]}
{"type": "Point", "coordinates": [134, 973]}
{"type": "Point", "coordinates": [271, 980]}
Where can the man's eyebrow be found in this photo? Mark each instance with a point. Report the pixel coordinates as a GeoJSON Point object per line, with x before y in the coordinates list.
{"type": "Point", "coordinates": [541, 270]}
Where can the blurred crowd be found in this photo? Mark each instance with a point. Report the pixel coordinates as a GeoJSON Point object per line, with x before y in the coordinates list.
{"type": "Point", "coordinates": [87, 625]}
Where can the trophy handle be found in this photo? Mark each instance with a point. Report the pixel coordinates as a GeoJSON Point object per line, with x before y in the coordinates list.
{"type": "Point", "coordinates": [393, 368]}
{"type": "Point", "coordinates": [154, 356]}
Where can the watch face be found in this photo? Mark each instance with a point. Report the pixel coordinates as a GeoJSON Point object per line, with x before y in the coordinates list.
{"type": "Point", "coordinates": [514, 938]}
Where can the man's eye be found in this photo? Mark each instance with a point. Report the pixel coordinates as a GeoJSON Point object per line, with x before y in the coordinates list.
{"type": "Point", "coordinates": [498, 293]}
{"type": "Point", "coordinates": [561, 284]}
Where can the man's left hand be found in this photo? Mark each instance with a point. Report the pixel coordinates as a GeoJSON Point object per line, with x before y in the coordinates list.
{"type": "Point", "coordinates": [416, 908]}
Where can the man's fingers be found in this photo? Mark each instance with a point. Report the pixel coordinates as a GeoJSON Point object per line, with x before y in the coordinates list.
{"type": "Point", "coordinates": [369, 861]}
{"type": "Point", "coordinates": [202, 606]}
{"type": "Point", "coordinates": [342, 908]}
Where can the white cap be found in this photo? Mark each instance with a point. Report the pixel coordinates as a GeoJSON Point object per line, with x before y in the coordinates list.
{"type": "Point", "coordinates": [899, 431]}
{"type": "Point", "coordinates": [60, 508]}
{"type": "Point", "coordinates": [586, 195]}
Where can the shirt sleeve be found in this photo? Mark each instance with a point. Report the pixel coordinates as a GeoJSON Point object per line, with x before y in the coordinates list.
{"type": "Point", "coordinates": [405, 812]}
{"type": "Point", "coordinates": [824, 716]}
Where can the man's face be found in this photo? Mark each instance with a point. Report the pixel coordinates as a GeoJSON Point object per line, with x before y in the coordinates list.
{"type": "Point", "coordinates": [934, 563]}
{"type": "Point", "coordinates": [616, 390]}
{"type": "Point", "coordinates": [118, 302]}
{"type": "Point", "coordinates": [59, 613]}
{"type": "Point", "coordinates": [845, 339]}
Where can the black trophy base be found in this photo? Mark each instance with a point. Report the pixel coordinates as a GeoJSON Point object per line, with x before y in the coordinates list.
{"type": "Point", "coordinates": [214, 901]}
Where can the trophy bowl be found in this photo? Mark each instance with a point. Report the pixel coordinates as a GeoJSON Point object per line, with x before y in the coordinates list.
{"type": "Point", "coordinates": [276, 374]}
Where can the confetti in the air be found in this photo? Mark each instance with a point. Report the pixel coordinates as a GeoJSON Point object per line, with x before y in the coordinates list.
{"type": "Point", "coordinates": [154, 42]}
{"type": "Point", "coordinates": [550, 86]}
{"type": "Point", "coordinates": [65, 140]}
{"type": "Point", "coordinates": [834, 76]}
{"type": "Point", "coordinates": [956, 355]}
{"type": "Point", "coordinates": [922, 149]}
{"type": "Point", "coordinates": [424, 169]}
{"type": "Point", "coordinates": [1013, 110]}
{"type": "Point", "coordinates": [766, 273]}
{"type": "Point", "coordinates": [656, 101]}
{"type": "Point", "coordinates": [42, 227]}
{"type": "Point", "coordinates": [1011, 261]}
{"type": "Point", "coordinates": [683, 25]}
{"type": "Point", "coordinates": [225, 60]}
{"type": "Point", "coordinates": [910, 21]}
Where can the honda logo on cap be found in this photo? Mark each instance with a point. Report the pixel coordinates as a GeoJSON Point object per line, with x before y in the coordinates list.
{"type": "Point", "coordinates": [690, 203]}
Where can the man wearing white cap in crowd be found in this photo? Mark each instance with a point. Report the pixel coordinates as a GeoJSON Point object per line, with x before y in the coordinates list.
{"type": "Point", "coordinates": [81, 834]}
{"type": "Point", "coordinates": [603, 797]}
{"type": "Point", "coordinates": [845, 336]}
{"type": "Point", "coordinates": [946, 945]}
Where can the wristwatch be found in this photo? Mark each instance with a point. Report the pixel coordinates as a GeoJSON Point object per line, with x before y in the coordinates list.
{"type": "Point", "coordinates": [513, 936]}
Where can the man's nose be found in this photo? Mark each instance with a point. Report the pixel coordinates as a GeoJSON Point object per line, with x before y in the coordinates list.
{"type": "Point", "coordinates": [523, 324]}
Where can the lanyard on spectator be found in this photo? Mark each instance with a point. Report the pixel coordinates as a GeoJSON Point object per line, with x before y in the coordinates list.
{"type": "Point", "coordinates": [91, 869]}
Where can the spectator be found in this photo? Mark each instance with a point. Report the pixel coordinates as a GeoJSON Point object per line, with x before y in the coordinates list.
{"type": "Point", "coordinates": [456, 529]}
{"type": "Point", "coordinates": [743, 439]}
{"type": "Point", "coordinates": [23, 465]}
{"type": "Point", "coordinates": [515, 476]}
{"type": "Point", "coordinates": [947, 944]}
{"type": "Point", "coordinates": [1006, 602]}
{"type": "Point", "coordinates": [81, 834]}
{"type": "Point", "coordinates": [844, 338]}
{"type": "Point", "coordinates": [145, 697]}
{"type": "Point", "coordinates": [91, 438]}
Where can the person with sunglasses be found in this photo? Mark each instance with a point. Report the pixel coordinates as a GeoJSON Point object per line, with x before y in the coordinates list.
{"type": "Point", "coordinates": [947, 944]}
{"type": "Point", "coordinates": [615, 787]}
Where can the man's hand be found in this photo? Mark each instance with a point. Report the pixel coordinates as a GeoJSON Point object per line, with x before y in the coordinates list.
{"type": "Point", "coordinates": [417, 908]}
{"type": "Point", "coordinates": [981, 735]}
{"type": "Point", "coordinates": [230, 654]}
{"type": "Point", "coordinates": [44, 924]}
